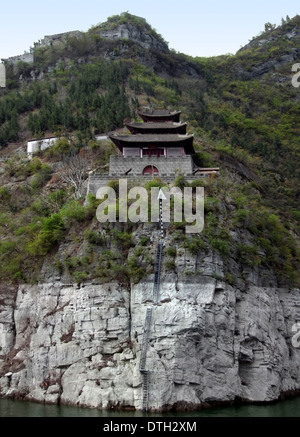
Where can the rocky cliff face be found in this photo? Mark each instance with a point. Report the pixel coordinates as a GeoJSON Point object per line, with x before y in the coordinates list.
{"type": "Point", "coordinates": [272, 65]}
{"type": "Point", "coordinates": [209, 342]}
{"type": "Point", "coordinates": [133, 33]}
{"type": "Point", "coordinates": [273, 50]}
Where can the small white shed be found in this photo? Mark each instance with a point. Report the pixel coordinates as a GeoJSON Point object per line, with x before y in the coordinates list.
{"type": "Point", "coordinates": [35, 146]}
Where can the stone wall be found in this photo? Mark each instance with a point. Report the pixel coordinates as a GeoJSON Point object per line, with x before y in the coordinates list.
{"type": "Point", "coordinates": [26, 57]}
{"type": "Point", "coordinates": [209, 341]}
{"type": "Point", "coordinates": [166, 166]}
{"type": "Point", "coordinates": [58, 38]}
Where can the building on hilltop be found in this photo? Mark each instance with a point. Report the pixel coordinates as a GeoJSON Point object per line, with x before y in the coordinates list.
{"type": "Point", "coordinates": [50, 40]}
{"type": "Point", "coordinates": [151, 154]}
{"type": "Point", "coordinates": [159, 147]}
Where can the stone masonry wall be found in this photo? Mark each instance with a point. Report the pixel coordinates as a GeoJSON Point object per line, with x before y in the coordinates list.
{"type": "Point", "coordinates": [166, 166]}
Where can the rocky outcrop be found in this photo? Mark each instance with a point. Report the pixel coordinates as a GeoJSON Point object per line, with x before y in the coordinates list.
{"type": "Point", "coordinates": [272, 65]}
{"type": "Point", "coordinates": [271, 37]}
{"type": "Point", "coordinates": [209, 342]}
{"type": "Point", "coordinates": [134, 33]}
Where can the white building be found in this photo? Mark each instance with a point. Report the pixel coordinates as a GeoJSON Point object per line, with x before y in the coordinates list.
{"type": "Point", "coordinates": [35, 146]}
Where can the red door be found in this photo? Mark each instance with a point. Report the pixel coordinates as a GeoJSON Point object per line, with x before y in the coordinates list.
{"type": "Point", "coordinates": [150, 170]}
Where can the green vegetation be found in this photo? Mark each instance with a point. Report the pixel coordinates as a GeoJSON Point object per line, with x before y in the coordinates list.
{"type": "Point", "coordinates": [68, 103]}
{"type": "Point", "coordinates": [245, 122]}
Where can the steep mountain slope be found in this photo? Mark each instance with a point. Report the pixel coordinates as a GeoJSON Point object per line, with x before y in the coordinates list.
{"type": "Point", "coordinates": [244, 112]}
{"type": "Point", "coordinates": [88, 84]}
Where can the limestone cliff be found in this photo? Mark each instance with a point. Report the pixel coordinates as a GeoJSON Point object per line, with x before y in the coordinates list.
{"type": "Point", "coordinates": [209, 341]}
{"type": "Point", "coordinates": [131, 32]}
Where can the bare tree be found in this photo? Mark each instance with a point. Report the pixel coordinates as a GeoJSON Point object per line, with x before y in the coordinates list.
{"type": "Point", "coordinates": [73, 172]}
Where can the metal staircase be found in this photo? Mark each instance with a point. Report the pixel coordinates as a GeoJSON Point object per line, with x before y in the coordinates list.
{"type": "Point", "coordinates": [143, 359]}
{"type": "Point", "coordinates": [145, 340]}
{"type": "Point", "coordinates": [156, 283]}
{"type": "Point", "coordinates": [146, 375]}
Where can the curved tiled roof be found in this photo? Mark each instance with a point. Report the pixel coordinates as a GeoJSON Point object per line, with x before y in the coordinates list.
{"type": "Point", "coordinates": [145, 140]}
{"type": "Point", "coordinates": [158, 127]}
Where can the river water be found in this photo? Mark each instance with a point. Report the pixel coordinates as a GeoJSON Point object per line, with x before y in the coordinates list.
{"type": "Point", "coordinates": [10, 408]}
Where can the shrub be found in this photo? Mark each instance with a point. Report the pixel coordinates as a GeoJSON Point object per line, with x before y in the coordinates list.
{"type": "Point", "coordinates": [72, 262]}
{"type": "Point", "coordinates": [194, 245]}
{"type": "Point", "coordinates": [172, 252]}
{"type": "Point", "coordinates": [94, 237]}
{"type": "Point", "coordinates": [144, 241]}
{"type": "Point", "coordinates": [61, 147]}
{"type": "Point", "coordinates": [211, 204]}
{"type": "Point", "coordinates": [73, 211]}
{"type": "Point", "coordinates": [13, 166]}
{"type": "Point", "coordinates": [204, 159]}
{"type": "Point", "coordinates": [40, 207]}
{"type": "Point", "coordinates": [57, 199]}
{"type": "Point", "coordinates": [80, 277]}
{"type": "Point", "coordinates": [198, 183]}
{"type": "Point", "coordinates": [181, 182]}
{"type": "Point", "coordinates": [4, 194]}
{"type": "Point", "coordinates": [155, 183]}
{"type": "Point", "coordinates": [221, 245]}
{"type": "Point", "coordinates": [41, 177]}
{"type": "Point", "coordinates": [135, 271]}
{"type": "Point", "coordinates": [32, 167]}
{"type": "Point", "coordinates": [242, 217]}
{"type": "Point", "coordinates": [249, 255]}
{"type": "Point", "coordinates": [7, 247]}
{"type": "Point", "coordinates": [91, 207]}
{"type": "Point", "coordinates": [123, 239]}
{"type": "Point", "coordinates": [170, 265]}
{"type": "Point", "coordinates": [230, 278]}
{"type": "Point", "coordinates": [51, 233]}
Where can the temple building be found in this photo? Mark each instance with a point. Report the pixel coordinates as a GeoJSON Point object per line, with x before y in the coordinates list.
{"type": "Point", "coordinates": [158, 147]}
{"type": "Point", "coordinates": [160, 116]}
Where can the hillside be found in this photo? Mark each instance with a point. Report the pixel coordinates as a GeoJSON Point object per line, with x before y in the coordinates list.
{"type": "Point", "coordinates": [245, 123]}
{"type": "Point", "coordinates": [75, 295]}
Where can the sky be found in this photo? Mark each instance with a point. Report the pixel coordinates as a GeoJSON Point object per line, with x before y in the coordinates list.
{"type": "Point", "coordinates": [194, 27]}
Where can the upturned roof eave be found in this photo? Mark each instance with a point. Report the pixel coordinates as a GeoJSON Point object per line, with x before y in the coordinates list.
{"type": "Point", "coordinates": [140, 140]}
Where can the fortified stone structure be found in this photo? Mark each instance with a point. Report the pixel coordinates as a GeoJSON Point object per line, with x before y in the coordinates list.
{"type": "Point", "coordinates": [50, 40]}
{"type": "Point", "coordinates": [47, 41]}
{"type": "Point", "coordinates": [26, 57]}
{"type": "Point", "coordinates": [158, 147]}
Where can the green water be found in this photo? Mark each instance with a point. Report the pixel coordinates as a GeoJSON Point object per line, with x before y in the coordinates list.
{"type": "Point", "coordinates": [9, 408]}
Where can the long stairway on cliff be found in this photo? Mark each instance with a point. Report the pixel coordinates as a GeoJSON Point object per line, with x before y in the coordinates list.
{"type": "Point", "coordinates": [145, 340]}
{"type": "Point", "coordinates": [156, 283]}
